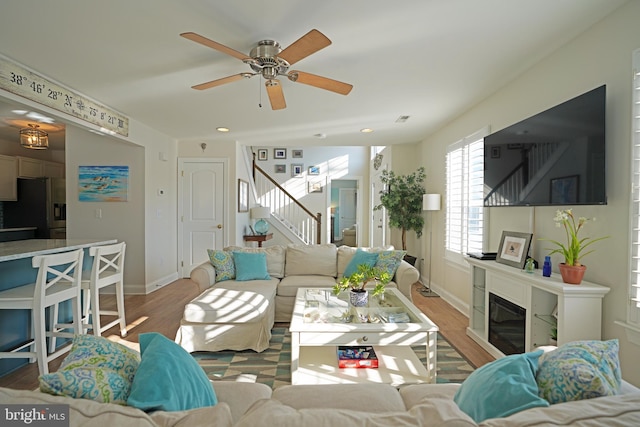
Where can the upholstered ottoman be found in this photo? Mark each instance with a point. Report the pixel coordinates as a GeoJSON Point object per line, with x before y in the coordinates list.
{"type": "Point", "coordinates": [230, 316]}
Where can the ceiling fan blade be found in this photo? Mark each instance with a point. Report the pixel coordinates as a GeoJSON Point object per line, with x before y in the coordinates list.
{"type": "Point", "coordinates": [222, 81]}
{"type": "Point", "coordinates": [320, 82]}
{"type": "Point", "coordinates": [310, 43]}
{"type": "Point", "coordinates": [276, 96]}
{"type": "Point", "coordinates": [215, 45]}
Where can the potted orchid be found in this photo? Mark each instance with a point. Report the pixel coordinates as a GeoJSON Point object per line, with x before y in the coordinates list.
{"type": "Point", "coordinates": [572, 270]}
{"type": "Point", "coordinates": [358, 280]}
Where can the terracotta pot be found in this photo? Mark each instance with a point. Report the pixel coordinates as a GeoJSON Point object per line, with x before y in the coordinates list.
{"type": "Point", "coordinates": [571, 274]}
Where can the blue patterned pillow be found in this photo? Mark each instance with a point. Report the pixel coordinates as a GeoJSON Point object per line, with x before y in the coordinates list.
{"type": "Point", "coordinates": [223, 263]}
{"type": "Point", "coordinates": [580, 370]}
{"type": "Point", "coordinates": [95, 369]}
{"type": "Point", "coordinates": [389, 261]}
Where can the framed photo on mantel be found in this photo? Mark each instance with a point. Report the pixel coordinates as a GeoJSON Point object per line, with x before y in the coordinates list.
{"type": "Point", "coordinates": [514, 248]}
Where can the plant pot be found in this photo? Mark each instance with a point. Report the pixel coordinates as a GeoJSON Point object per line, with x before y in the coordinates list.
{"type": "Point", "coordinates": [571, 274]}
{"type": "Point", "coordinates": [358, 297]}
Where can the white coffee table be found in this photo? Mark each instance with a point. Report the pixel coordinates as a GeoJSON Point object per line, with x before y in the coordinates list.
{"type": "Point", "coordinates": [321, 322]}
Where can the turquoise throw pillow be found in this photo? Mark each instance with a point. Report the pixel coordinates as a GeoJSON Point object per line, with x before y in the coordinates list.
{"type": "Point", "coordinates": [501, 388]}
{"type": "Point", "coordinates": [389, 261]}
{"type": "Point", "coordinates": [168, 378]}
{"type": "Point", "coordinates": [95, 368]}
{"type": "Point", "coordinates": [251, 266]}
{"type": "Point", "coordinates": [580, 370]}
{"type": "Point", "coordinates": [360, 257]}
{"type": "Point", "coordinates": [222, 261]}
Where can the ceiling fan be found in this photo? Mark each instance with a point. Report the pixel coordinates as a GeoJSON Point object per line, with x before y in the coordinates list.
{"type": "Point", "coordinates": [269, 60]}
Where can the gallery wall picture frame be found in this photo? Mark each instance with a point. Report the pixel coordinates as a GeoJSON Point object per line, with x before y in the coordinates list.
{"type": "Point", "coordinates": [564, 189]}
{"type": "Point", "coordinates": [263, 154]}
{"type": "Point", "coordinates": [314, 170]}
{"type": "Point", "coordinates": [514, 248]}
{"type": "Point", "coordinates": [314, 187]}
{"type": "Point", "coordinates": [281, 168]}
{"type": "Point", "coordinates": [279, 153]}
{"type": "Point", "coordinates": [296, 170]}
{"type": "Point", "coordinates": [243, 196]}
{"type": "Point", "coordinates": [296, 154]}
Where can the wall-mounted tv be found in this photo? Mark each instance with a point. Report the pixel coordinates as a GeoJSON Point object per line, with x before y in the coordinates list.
{"type": "Point", "coordinates": [556, 157]}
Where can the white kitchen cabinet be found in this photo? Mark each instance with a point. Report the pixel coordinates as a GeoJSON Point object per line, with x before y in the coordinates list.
{"type": "Point", "coordinates": [8, 181]}
{"type": "Point", "coordinates": [53, 169]}
{"type": "Point", "coordinates": [29, 168]}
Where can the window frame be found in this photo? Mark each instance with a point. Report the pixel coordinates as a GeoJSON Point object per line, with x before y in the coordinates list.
{"type": "Point", "coordinates": [469, 158]}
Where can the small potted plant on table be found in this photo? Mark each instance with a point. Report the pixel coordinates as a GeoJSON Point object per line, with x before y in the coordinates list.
{"type": "Point", "coordinates": [357, 282]}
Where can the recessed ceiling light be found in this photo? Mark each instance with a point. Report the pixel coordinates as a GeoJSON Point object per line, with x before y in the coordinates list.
{"type": "Point", "coordinates": [320, 135]}
{"type": "Point", "coordinates": [222, 129]}
{"type": "Point", "coordinates": [366, 130]}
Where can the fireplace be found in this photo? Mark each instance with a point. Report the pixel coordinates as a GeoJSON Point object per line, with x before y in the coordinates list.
{"type": "Point", "coordinates": [506, 325]}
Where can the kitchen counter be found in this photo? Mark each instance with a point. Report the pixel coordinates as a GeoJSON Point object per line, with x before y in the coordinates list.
{"type": "Point", "coordinates": [8, 230]}
{"type": "Point", "coordinates": [29, 248]}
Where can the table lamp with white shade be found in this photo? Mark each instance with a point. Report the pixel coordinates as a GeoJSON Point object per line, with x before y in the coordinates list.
{"type": "Point", "coordinates": [430, 202]}
{"type": "Point", "coordinates": [261, 213]}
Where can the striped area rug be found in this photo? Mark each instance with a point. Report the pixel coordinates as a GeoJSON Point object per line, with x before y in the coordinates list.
{"type": "Point", "coordinates": [273, 366]}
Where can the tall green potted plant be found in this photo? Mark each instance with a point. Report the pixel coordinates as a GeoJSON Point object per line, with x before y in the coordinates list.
{"type": "Point", "coordinates": [402, 199]}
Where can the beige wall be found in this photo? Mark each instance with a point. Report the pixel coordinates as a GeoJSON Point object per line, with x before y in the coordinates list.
{"type": "Point", "coordinates": [601, 55]}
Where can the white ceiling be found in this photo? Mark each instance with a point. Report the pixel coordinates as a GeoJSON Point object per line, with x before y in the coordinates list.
{"type": "Point", "coordinates": [427, 59]}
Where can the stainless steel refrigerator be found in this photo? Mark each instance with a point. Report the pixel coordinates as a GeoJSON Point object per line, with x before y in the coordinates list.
{"type": "Point", "coordinates": [42, 204]}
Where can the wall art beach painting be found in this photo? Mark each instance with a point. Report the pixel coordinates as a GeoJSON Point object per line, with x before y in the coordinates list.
{"type": "Point", "coordinates": [103, 183]}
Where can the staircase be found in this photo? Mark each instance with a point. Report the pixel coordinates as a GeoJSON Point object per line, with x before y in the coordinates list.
{"type": "Point", "coordinates": [523, 179]}
{"type": "Point", "coordinates": [288, 215]}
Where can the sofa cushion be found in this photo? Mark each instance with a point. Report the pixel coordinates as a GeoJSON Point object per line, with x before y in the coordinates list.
{"type": "Point", "coordinates": [438, 412]}
{"type": "Point", "coordinates": [360, 258]}
{"type": "Point", "coordinates": [311, 260]}
{"type": "Point", "coordinates": [380, 397]}
{"type": "Point", "coordinates": [289, 286]}
{"type": "Point", "coordinates": [95, 369]}
{"type": "Point", "coordinates": [232, 302]}
{"type": "Point", "coordinates": [501, 388]}
{"type": "Point", "coordinates": [389, 261]}
{"type": "Point", "coordinates": [621, 410]}
{"type": "Point", "coordinates": [275, 257]}
{"type": "Point", "coordinates": [168, 378]}
{"type": "Point", "coordinates": [250, 266]}
{"type": "Point", "coordinates": [580, 370]}
{"type": "Point", "coordinates": [223, 263]}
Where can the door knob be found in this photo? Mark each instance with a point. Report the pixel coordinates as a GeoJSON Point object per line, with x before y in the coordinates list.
{"type": "Point", "coordinates": [219, 226]}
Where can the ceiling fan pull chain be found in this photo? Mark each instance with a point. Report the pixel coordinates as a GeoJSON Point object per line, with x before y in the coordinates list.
{"type": "Point", "coordinates": [259, 94]}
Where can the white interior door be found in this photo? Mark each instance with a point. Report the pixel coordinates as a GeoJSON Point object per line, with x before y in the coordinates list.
{"type": "Point", "coordinates": [378, 218]}
{"type": "Point", "coordinates": [202, 217]}
{"type": "Point", "coordinates": [348, 207]}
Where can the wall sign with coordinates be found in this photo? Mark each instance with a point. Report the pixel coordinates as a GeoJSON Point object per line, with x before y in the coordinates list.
{"type": "Point", "coordinates": [17, 79]}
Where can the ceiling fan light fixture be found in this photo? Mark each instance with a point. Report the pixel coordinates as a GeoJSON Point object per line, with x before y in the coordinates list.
{"type": "Point", "coordinates": [34, 138]}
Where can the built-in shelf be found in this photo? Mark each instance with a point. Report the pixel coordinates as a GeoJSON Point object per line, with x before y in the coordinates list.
{"type": "Point", "coordinates": [578, 307]}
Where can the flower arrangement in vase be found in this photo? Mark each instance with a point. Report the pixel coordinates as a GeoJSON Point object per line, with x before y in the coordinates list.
{"type": "Point", "coordinates": [358, 280]}
{"type": "Point", "coordinates": [572, 270]}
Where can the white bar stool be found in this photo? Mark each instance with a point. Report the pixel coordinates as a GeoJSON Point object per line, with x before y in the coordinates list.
{"type": "Point", "coordinates": [107, 270]}
{"type": "Point", "coordinates": [53, 286]}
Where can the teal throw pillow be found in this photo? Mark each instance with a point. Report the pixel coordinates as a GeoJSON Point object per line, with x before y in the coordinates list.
{"type": "Point", "coordinates": [222, 261]}
{"type": "Point", "coordinates": [168, 378]}
{"type": "Point", "coordinates": [580, 370]}
{"type": "Point", "coordinates": [360, 257]}
{"type": "Point", "coordinates": [501, 388]}
{"type": "Point", "coordinates": [251, 266]}
{"type": "Point", "coordinates": [96, 369]}
{"type": "Point", "coordinates": [389, 261]}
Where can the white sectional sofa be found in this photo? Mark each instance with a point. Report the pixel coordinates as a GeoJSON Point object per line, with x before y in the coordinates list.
{"type": "Point", "coordinates": [239, 315]}
{"type": "Point", "coordinates": [256, 405]}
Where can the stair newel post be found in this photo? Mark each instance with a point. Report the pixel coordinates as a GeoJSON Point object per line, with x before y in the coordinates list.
{"type": "Point", "coordinates": [319, 229]}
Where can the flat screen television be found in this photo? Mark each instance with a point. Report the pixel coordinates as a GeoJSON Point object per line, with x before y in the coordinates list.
{"type": "Point", "coordinates": [556, 157]}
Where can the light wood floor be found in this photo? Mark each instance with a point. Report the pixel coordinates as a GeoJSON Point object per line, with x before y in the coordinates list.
{"type": "Point", "coordinates": [161, 312]}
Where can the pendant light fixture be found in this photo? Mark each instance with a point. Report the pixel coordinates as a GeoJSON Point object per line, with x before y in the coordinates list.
{"type": "Point", "coordinates": [34, 138]}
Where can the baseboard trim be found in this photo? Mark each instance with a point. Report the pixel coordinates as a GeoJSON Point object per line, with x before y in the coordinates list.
{"type": "Point", "coordinates": [455, 302]}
